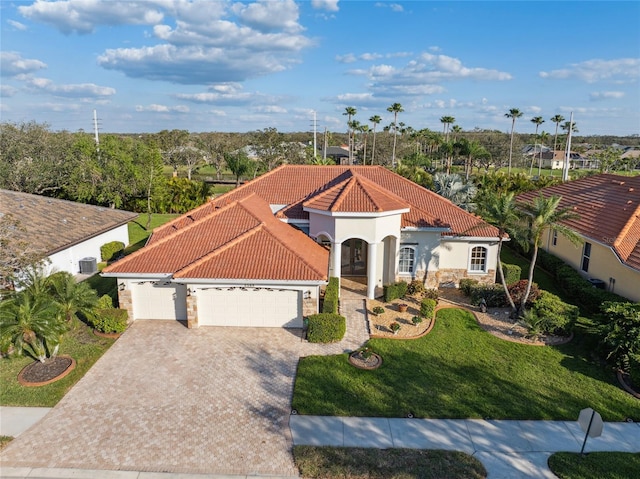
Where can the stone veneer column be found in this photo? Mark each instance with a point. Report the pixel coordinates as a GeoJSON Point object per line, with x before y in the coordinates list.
{"type": "Point", "coordinates": [192, 312]}
{"type": "Point", "coordinates": [125, 302]}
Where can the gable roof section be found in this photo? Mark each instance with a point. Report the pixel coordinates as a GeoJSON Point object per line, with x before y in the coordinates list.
{"type": "Point", "coordinates": [609, 209]}
{"type": "Point", "coordinates": [223, 242]}
{"type": "Point", "coordinates": [52, 225]}
{"type": "Point", "coordinates": [295, 185]}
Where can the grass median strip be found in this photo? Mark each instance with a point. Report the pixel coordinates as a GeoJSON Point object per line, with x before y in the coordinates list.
{"type": "Point", "coordinates": [461, 371]}
{"type": "Point", "coordinates": [359, 463]}
{"type": "Point", "coordinates": [595, 465]}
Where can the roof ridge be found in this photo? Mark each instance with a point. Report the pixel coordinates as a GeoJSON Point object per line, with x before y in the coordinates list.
{"type": "Point", "coordinates": [347, 188]}
{"type": "Point", "coordinates": [232, 242]}
{"type": "Point", "coordinates": [625, 230]}
{"type": "Point", "coordinates": [326, 192]}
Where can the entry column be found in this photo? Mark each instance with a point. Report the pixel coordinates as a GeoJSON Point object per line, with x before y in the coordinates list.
{"type": "Point", "coordinates": [372, 266]}
{"type": "Point", "coordinates": [336, 259]}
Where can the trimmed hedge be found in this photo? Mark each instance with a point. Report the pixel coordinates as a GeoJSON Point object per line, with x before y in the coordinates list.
{"type": "Point", "coordinates": [466, 284]}
{"type": "Point", "coordinates": [512, 273]}
{"type": "Point", "coordinates": [428, 307]}
{"type": "Point", "coordinates": [395, 290]}
{"type": "Point", "coordinates": [110, 320]}
{"type": "Point", "coordinates": [331, 296]}
{"type": "Point", "coordinates": [111, 251]}
{"type": "Point", "coordinates": [326, 328]}
{"type": "Point", "coordinates": [555, 315]}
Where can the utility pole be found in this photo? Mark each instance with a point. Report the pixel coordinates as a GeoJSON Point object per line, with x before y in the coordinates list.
{"type": "Point", "coordinates": [567, 154]}
{"type": "Point", "coordinates": [95, 130]}
{"type": "Point", "coordinates": [324, 154]}
{"type": "Point", "coordinates": [315, 134]}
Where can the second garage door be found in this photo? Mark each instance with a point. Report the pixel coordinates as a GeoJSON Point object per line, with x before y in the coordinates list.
{"type": "Point", "coordinates": [254, 307]}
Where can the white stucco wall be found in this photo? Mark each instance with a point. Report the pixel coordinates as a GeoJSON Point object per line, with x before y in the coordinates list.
{"type": "Point", "coordinates": [68, 259]}
{"type": "Point", "coordinates": [372, 230]}
{"type": "Point", "coordinates": [427, 248]}
{"type": "Point", "coordinates": [456, 254]}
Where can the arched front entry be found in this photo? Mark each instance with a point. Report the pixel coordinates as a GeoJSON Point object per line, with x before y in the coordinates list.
{"type": "Point", "coordinates": [354, 254]}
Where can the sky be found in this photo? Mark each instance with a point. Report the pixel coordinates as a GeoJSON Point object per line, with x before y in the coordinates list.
{"type": "Point", "coordinates": [204, 65]}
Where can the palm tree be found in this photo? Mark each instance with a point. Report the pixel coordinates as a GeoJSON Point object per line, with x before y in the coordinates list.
{"type": "Point", "coordinates": [514, 114]}
{"type": "Point", "coordinates": [499, 209]}
{"type": "Point", "coordinates": [32, 323]}
{"type": "Point", "coordinates": [72, 297]}
{"type": "Point", "coordinates": [350, 111]}
{"type": "Point", "coordinates": [446, 121]}
{"type": "Point", "coordinates": [456, 129]}
{"type": "Point", "coordinates": [375, 120]}
{"type": "Point", "coordinates": [395, 109]}
{"type": "Point", "coordinates": [544, 136]}
{"type": "Point", "coordinates": [364, 129]}
{"type": "Point", "coordinates": [544, 215]}
{"type": "Point", "coordinates": [537, 120]}
{"type": "Point", "coordinates": [557, 119]}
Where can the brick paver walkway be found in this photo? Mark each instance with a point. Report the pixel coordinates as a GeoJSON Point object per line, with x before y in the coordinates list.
{"type": "Point", "coordinates": [168, 399]}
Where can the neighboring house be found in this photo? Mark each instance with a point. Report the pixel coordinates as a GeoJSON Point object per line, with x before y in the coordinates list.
{"type": "Point", "coordinates": [555, 160]}
{"type": "Point", "coordinates": [65, 232]}
{"type": "Point", "coordinates": [609, 224]}
{"type": "Point", "coordinates": [339, 154]}
{"type": "Point", "coordinates": [259, 255]}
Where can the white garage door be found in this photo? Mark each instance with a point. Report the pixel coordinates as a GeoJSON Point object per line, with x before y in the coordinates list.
{"type": "Point", "coordinates": [159, 301]}
{"type": "Point", "coordinates": [253, 307]}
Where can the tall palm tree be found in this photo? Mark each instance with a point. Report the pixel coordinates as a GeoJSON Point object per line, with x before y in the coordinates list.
{"type": "Point", "coordinates": [538, 120]}
{"type": "Point", "coordinates": [514, 114]}
{"type": "Point", "coordinates": [499, 209]}
{"type": "Point", "coordinates": [375, 120]}
{"type": "Point", "coordinates": [364, 129]}
{"type": "Point", "coordinates": [350, 112]}
{"type": "Point", "coordinates": [32, 324]}
{"type": "Point", "coordinates": [557, 119]}
{"type": "Point", "coordinates": [446, 121]}
{"type": "Point", "coordinates": [395, 109]}
{"type": "Point", "coordinates": [544, 215]}
{"type": "Point", "coordinates": [72, 297]}
{"type": "Point", "coordinates": [544, 136]}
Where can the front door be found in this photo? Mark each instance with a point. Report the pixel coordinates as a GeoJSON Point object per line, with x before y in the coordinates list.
{"type": "Point", "coordinates": [354, 258]}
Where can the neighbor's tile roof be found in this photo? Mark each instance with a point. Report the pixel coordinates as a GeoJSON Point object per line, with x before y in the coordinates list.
{"type": "Point", "coordinates": [296, 185]}
{"type": "Point", "coordinates": [225, 241]}
{"type": "Point", "coordinates": [51, 225]}
{"type": "Point", "coordinates": [609, 211]}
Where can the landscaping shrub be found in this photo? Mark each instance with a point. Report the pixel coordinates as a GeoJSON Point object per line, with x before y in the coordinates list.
{"type": "Point", "coordinates": [466, 284]}
{"type": "Point", "coordinates": [431, 294]}
{"type": "Point", "coordinates": [512, 273]}
{"type": "Point", "coordinates": [109, 320]}
{"type": "Point", "coordinates": [104, 302]}
{"type": "Point", "coordinates": [415, 287]}
{"type": "Point", "coordinates": [555, 315]}
{"type": "Point", "coordinates": [493, 294]}
{"type": "Point", "coordinates": [111, 251]}
{"type": "Point", "coordinates": [326, 328]}
{"type": "Point", "coordinates": [428, 307]}
{"type": "Point", "coordinates": [395, 290]}
{"type": "Point", "coordinates": [331, 295]}
{"type": "Point", "coordinates": [378, 310]}
{"type": "Point", "coordinates": [517, 290]}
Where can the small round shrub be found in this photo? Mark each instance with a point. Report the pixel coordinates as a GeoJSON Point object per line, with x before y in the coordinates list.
{"type": "Point", "coordinates": [431, 294]}
{"type": "Point", "coordinates": [428, 307]}
{"type": "Point", "coordinates": [326, 328]}
{"type": "Point", "coordinates": [466, 284]}
{"type": "Point", "coordinates": [378, 310]}
{"type": "Point", "coordinates": [415, 287]}
{"type": "Point", "coordinates": [555, 315]}
{"type": "Point", "coordinates": [109, 320]}
{"type": "Point", "coordinates": [395, 327]}
{"type": "Point", "coordinates": [416, 320]}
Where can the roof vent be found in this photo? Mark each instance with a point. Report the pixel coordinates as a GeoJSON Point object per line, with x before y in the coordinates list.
{"type": "Point", "coordinates": [617, 182]}
{"type": "Point", "coordinates": [630, 189]}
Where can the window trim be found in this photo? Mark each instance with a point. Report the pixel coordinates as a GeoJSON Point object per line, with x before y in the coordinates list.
{"type": "Point", "coordinates": [413, 260]}
{"type": "Point", "coordinates": [486, 259]}
{"type": "Point", "coordinates": [554, 238]}
{"type": "Point", "coordinates": [585, 257]}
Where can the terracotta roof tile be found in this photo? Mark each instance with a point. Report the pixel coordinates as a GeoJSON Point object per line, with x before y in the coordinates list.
{"type": "Point", "coordinates": [609, 209]}
{"type": "Point", "coordinates": [51, 225]}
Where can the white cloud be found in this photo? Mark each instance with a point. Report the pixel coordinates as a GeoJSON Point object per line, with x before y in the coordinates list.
{"type": "Point", "coordinates": [605, 95]}
{"type": "Point", "coordinates": [370, 56]}
{"type": "Point", "coordinates": [395, 7]}
{"type": "Point", "coordinates": [17, 25]}
{"type": "Point", "coordinates": [7, 91]}
{"type": "Point", "coordinates": [82, 16]}
{"type": "Point", "coordinates": [590, 71]}
{"type": "Point", "coordinates": [328, 5]}
{"type": "Point", "coordinates": [12, 64]}
{"type": "Point", "coordinates": [443, 67]}
{"type": "Point", "coordinates": [162, 108]}
{"type": "Point", "coordinates": [80, 90]}
{"type": "Point", "coordinates": [269, 16]}
{"type": "Point", "coordinates": [348, 58]}
{"type": "Point", "coordinates": [228, 94]}
{"type": "Point", "coordinates": [269, 109]}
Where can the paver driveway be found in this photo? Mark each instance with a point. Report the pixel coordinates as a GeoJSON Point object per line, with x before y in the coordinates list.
{"type": "Point", "coordinates": [166, 398]}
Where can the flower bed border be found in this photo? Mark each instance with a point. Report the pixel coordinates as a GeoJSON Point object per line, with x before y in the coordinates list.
{"type": "Point", "coordinates": [64, 373]}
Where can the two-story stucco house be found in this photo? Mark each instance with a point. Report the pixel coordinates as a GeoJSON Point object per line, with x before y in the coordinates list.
{"type": "Point", "coordinates": [259, 255]}
{"type": "Point", "coordinates": [609, 224]}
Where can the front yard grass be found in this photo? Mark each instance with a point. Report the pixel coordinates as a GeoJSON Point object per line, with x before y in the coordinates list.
{"type": "Point", "coordinates": [595, 465]}
{"type": "Point", "coordinates": [358, 463]}
{"type": "Point", "coordinates": [461, 371]}
{"type": "Point", "coordinates": [139, 233]}
{"type": "Point", "coordinates": [80, 343]}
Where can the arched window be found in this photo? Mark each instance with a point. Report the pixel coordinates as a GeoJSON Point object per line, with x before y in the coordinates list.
{"type": "Point", "coordinates": [406, 259]}
{"type": "Point", "coordinates": [478, 260]}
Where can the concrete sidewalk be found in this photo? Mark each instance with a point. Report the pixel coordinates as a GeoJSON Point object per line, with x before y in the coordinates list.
{"type": "Point", "coordinates": [16, 420]}
{"type": "Point", "coordinates": [508, 449]}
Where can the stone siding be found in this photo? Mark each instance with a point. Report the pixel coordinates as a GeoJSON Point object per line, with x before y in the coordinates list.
{"type": "Point", "coordinates": [309, 306]}
{"type": "Point", "coordinates": [192, 312]}
{"type": "Point", "coordinates": [450, 278]}
{"type": "Point", "coordinates": [125, 302]}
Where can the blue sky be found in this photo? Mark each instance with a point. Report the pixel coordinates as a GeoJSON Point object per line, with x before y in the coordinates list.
{"type": "Point", "coordinates": [205, 65]}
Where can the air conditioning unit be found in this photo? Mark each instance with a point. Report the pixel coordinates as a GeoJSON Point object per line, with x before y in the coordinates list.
{"type": "Point", "coordinates": [88, 265]}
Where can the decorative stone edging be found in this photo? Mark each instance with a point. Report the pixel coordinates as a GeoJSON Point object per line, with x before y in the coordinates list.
{"type": "Point", "coordinates": [106, 335]}
{"type": "Point", "coordinates": [70, 368]}
{"type": "Point", "coordinates": [625, 386]}
{"type": "Point", "coordinates": [362, 364]}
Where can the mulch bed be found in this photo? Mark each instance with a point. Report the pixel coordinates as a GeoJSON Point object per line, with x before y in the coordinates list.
{"type": "Point", "coordinates": [358, 360]}
{"type": "Point", "coordinates": [52, 369]}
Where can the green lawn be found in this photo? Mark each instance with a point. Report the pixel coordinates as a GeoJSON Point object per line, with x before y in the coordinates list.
{"type": "Point", "coordinates": [461, 371]}
{"type": "Point", "coordinates": [80, 343]}
{"type": "Point", "coordinates": [359, 463]}
{"type": "Point", "coordinates": [138, 231]}
{"type": "Point", "coordinates": [595, 465]}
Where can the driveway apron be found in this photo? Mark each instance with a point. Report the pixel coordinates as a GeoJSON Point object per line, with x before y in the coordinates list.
{"type": "Point", "coordinates": [168, 399]}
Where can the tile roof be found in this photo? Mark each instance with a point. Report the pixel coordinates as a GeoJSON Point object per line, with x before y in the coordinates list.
{"type": "Point", "coordinates": [51, 225]}
{"type": "Point", "coordinates": [295, 185]}
{"type": "Point", "coordinates": [609, 209]}
{"type": "Point", "coordinates": [222, 241]}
